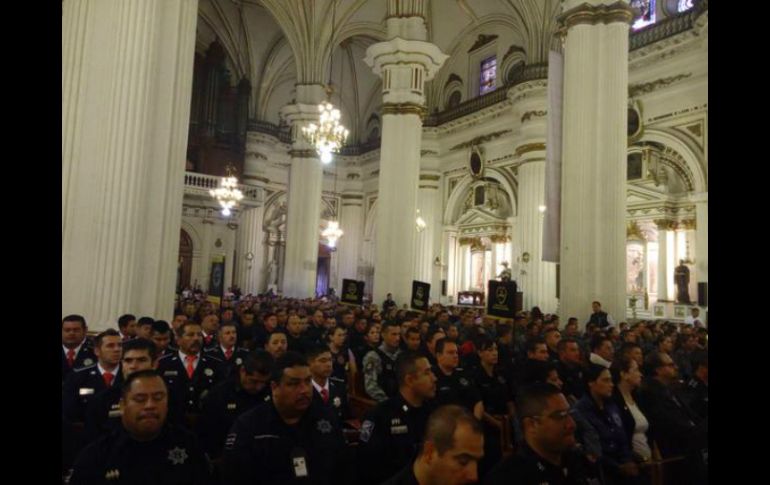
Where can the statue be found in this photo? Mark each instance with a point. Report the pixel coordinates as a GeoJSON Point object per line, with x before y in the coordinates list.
{"type": "Point", "coordinates": [682, 281]}
{"type": "Point", "coordinates": [505, 274]}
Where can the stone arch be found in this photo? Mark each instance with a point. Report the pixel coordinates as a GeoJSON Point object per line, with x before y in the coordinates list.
{"type": "Point", "coordinates": [691, 155]}
{"type": "Point", "coordinates": [457, 197]}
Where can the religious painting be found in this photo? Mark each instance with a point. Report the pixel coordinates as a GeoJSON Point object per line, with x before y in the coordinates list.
{"type": "Point", "coordinates": [680, 311]}
{"type": "Point", "coordinates": [659, 311]}
{"type": "Point", "coordinates": [634, 267]}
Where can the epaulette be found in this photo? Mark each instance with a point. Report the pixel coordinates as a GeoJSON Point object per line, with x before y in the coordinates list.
{"type": "Point", "coordinates": [211, 357]}
{"type": "Point", "coordinates": [83, 369]}
{"type": "Point", "coordinates": [169, 357]}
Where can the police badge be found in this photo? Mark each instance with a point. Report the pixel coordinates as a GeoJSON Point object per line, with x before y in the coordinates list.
{"type": "Point", "coordinates": [324, 426]}
{"type": "Point", "coordinates": [366, 430]}
{"type": "Point", "coordinates": [337, 402]}
{"type": "Point", "coordinates": [208, 372]}
{"type": "Point", "coordinates": [177, 456]}
{"type": "Point", "coordinates": [87, 362]}
{"type": "Point", "coordinates": [238, 361]}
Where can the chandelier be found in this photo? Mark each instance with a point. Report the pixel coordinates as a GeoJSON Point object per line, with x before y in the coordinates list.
{"type": "Point", "coordinates": [227, 194]}
{"type": "Point", "coordinates": [332, 233]}
{"type": "Point", "coordinates": [329, 134]}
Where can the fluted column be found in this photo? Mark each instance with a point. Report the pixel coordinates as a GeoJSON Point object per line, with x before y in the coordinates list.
{"type": "Point", "coordinates": [124, 138]}
{"type": "Point", "coordinates": [665, 263]}
{"type": "Point", "coordinates": [352, 223]}
{"type": "Point", "coordinates": [405, 62]}
{"type": "Point", "coordinates": [593, 232]}
{"type": "Point", "coordinates": [249, 248]}
{"type": "Point", "coordinates": [428, 203]}
{"type": "Point", "coordinates": [303, 215]}
{"type": "Point", "coordinates": [702, 238]}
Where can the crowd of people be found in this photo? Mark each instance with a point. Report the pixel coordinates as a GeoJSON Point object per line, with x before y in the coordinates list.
{"type": "Point", "coordinates": [270, 390]}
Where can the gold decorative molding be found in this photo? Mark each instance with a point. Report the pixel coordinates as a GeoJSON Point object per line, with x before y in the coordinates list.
{"type": "Point", "coordinates": [404, 109]}
{"type": "Point", "coordinates": [644, 88]}
{"type": "Point", "coordinates": [481, 41]}
{"type": "Point", "coordinates": [480, 139]}
{"type": "Point", "coordinates": [305, 153]}
{"type": "Point", "coordinates": [529, 147]}
{"type": "Point", "coordinates": [495, 238]}
{"type": "Point", "coordinates": [687, 224]}
{"type": "Point", "coordinates": [665, 224]}
{"type": "Point", "coordinates": [352, 196]}
{"type": "Point", "coordinates": [428, 176]}
{"type": "Point", "coordinates": [634, 232]}
{"type": "Point", "coordinates": [533, 114]}
{"type": "Point", "coordinates": [599, 14]}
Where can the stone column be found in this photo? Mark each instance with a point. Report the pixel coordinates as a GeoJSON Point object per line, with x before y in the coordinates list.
{"type": "Point", "coordinates": [249, 244]}
{"type": "Point", "coordinates": [304, 198]}
{"type": "Point", "coordinates": [702, 237]}
{"type": "Point", "coordinates": [593, 228]}
{"type": "Point", "coordinates": [429, 205]}
{"type": "Point", "coordinates": [665, 264]}
{"type": "Point", "coordinates": [124, 138]}
{"type": "Point", "coordinates": [352, 223]}
{"type": "Point", "coordinates": [530, 105]}
{"type": "Point", "coordinates": [405, 61]}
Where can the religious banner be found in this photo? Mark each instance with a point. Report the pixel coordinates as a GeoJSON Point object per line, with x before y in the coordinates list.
{"type": "Point", "coordinates": [420, 295]}
{"type": "Point", "coordinates": [352, 292]}
{"type": "Point", "coordinates": [502, 299]}
{"type": "Point", "coordinates": [217, 283]}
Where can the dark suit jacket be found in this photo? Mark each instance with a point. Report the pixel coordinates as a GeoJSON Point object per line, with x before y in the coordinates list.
{"type": "Point", "coordinates": [80, 388]}
{"type": "Point", "coordinates": [338, 400]}
{"type": "Point", "coordinates": [228, 366]}
{"type": "Point", "coordinates": [84, 358]}
{"type": "Point", "coordinates": [184, 392]}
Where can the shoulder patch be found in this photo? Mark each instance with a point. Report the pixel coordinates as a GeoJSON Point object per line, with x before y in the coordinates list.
{"type": "Point", "coordinates": [366, 430]}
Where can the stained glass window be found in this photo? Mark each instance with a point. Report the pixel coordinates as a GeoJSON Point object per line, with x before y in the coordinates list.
{"type": "Point", "coordinates": [685, 5]}
{"type": "Point", "coordinates": [488, 74]}
{"type": "Point", "coordinates": [647, 17]}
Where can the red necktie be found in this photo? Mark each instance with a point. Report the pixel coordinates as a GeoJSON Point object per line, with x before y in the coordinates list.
{"type": "Point", "coordinates": [207, 339]}
{"type": "Point", "coordinates": [190, 369]}
{"type": "Point", "coordinates": [228, 354]}
{"type": "Point", "coordinates": [71, 357]}
{"type": "Point", "coordinates": [108, 378]}
{"type": "Point", "coordinates": [325, 395]}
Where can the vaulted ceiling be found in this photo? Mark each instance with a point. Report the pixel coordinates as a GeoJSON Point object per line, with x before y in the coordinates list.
{"type": "Point", "coordinates": [279, 43]}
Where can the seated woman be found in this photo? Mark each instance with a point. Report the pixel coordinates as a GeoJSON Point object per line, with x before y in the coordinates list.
{"type": "Point", "coordinates": [627, 378]}
{"type": "Point", "coordinates": [371, 342]}
{"type": "Point", "coordinates": [600, 410]}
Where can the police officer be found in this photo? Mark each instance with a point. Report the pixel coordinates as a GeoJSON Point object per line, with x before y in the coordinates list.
{"type": "Point", "coordinates": [225, 350]}
{"type": "Point", "coordinates": [450, 455]}
{"type": "Point", "coordinates": [189, 373]}
{"type": "Point", "coordinates": [76, 350]}
{"type": "Point", "coordinates": [570, 369]}
{"type": "Point", "coordinates": [455, 385]}
{"type": "Point", "coordinates": [546, 455]}
{"type": "Point", "coordinates": [162, 337]}
{"type": "Point", "coordinates": [209, 328]}
{"type": "Point", "coordinates": [229, 399]}
{"type": "Point", "coordinates": [327, 391]}
{"type": "Point", "coordinates": [380, 380]}
{"type": "Point", "coordinates": [103, 412]}
{"type": "Point", "coordinates": [287, 440]}
{"type": "Point", "coordinates": [393, 430]}
{"type": "Point", "coordinates": [697, 389]}
{"type": "Point", "coordinates": [342, 357]}
{"type": "Point", "coordinates": [145, 450]}
{"type": "Point", "coordinates": [83, 384]}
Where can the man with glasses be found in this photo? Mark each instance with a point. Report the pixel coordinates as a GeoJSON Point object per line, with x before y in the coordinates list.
{"type": "Point", "coordinates": [673, 425]}
{"type": "Point", "coordinates": [145, 449]}
{"type": "Point", "coordinates": [547, 454]}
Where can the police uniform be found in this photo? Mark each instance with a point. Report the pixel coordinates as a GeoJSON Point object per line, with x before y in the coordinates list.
{"type": "Point", "coordinates": [380, 381]}
{"type": "Point", "coordinates": [184, 392]}
{"type": "Point", "coordinates": [571, 376]}
{"type": "Point", "coordinates": [173, 458]}
{"type": "Point", "coordinates": [219, 409]}
{"type": "Point", "coordinates": [228, 365]}
{"type": "Point", "coordinates": [404, 477]}
{"type": "Point", "coordinates": [340, 365]}
{"type": "Point", "coordinates": [456, 388]}
{"type": "Point", "coordinates": [296, 344]}
{"type": "Point", "coordinates": [527, 468]}
{"type": "Point", "coordinates": [390, 436]}
{"type": "Point", "coordinates": [338, 400]}
{"type": "Point", "coordinates": [496, 392]}
{"type": "Point", "coordinates": [102, 414]}
{"type": "Point", "coordinates": [83, 358]}
{"type": "Point", "coordinates": [262, 448]}
{"type": "Point", "coordinates": [697, 393]}
{"type": "Point", "coordinates": [81, 386]}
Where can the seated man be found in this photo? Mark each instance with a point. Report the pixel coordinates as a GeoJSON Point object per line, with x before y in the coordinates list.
{"type": "Point", "coordinates": [103, 412]}
{"type": "Point", "coordinates": [602, 351]}
{"type": "Point", "coordinates": [225, 350]}
{"type": "Point", "coordinates": [287, 440]}
{"type": "Point", "coordinates": [454, 385]}
{"type": "Point", "coordinates": [76, 350]}
{"type": "Point", "coordinates": [162, 338]}
{"type": "Point", "coordinates": [547, 454]}
{"type": "Point", "coordinates": [450, 454]}
{"type": "Point", "coordinates": [379, 364]}
{"type": "Point", "coordinates": [697, 389]}
{"type": "Point", "coordinates": [222, 405]}
{"type": "Point", "coordinates": [145, 449]}
{"type": "Point", "coordinates": [392, 431]}
{"type": "Point", "coordinates": [328, 392]}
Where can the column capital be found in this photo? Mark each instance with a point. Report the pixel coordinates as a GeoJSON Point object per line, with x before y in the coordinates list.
{"type": "Point", "coordinates": [597, 13]}
{"type": "Point", "coordinates": [665, 224]}
{"type": "Point", "coordinates": [687, 224]}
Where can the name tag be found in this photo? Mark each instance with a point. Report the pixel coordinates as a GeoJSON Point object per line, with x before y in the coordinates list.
{"type": "Point", "coordinates": [399, 429]}
{"type": "Point", "coordinates": [300, 467]}
{"type": "Point", "coordinates": [115, 413]}
{"type": "Point", "coordinates": [86, 391]}
{"type": "Point", "coordinates": [171, 373]}
{"type": "Point", "coordinates": [231, 406]}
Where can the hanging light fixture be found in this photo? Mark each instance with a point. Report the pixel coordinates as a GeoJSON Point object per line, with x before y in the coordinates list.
{"type": "Point", "coordinates": [227, 194]}
{"type": "Point", "coordinates": [329, 134]}
{"type": "Point", "coordinates": [332, 232]}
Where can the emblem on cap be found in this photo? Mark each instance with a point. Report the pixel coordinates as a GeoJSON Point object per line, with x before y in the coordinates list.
{"type": "Point", "coordinates": [177, 456]}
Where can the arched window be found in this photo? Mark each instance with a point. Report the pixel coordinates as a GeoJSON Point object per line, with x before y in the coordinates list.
{"type": "Point", "coordinates": [488, 75]}
{"type": "Point", "coordinates": [647, 17]}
